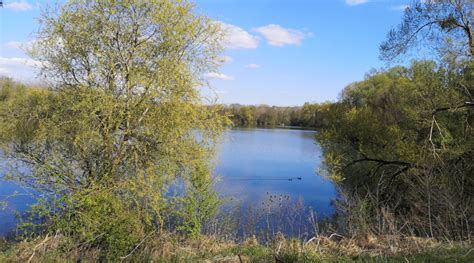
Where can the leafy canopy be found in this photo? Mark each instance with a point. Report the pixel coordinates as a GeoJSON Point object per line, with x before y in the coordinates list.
{"type": "Point", "coordinates": [122, 119]}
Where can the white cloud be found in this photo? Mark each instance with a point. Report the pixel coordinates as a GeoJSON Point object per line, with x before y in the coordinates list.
{"type": "Point", "coordinates": [279, 36]}
{"type": "Point", "coordinates": [356, 2]}
{"type": "Point", "coordinates": [220, 92]}
{"type": "Point", "coordinates": [14, 45]}
{"type": "Point", "coordinates": [19, 45]}
{"type": "Point", "coordinates": [19, 62]}
{"type": "Point", "coordinates": [19, 6]}
{"type": "Point", "coordinates": [23, 69]}
{"type": "Point", "coordinates": [236, 37]}
{"type": "Point", "coordinates": [252, 66]}
{"type": "Point", "coordinates": [220, 76]}
{"type": "Point", "coordinates": [4, 71]}
{"type": "Point", "coordinates": [400, 7]}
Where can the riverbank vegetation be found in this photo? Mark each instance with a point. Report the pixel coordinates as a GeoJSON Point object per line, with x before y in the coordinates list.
{"type": "Point", "coordinates": [310, 115]}
{"type": "Point", "coordinates": [121, 121]}
{"type": "Point", "coordinates": [400, 143]}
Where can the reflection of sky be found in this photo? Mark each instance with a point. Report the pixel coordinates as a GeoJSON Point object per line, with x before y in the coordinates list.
{"type": "Point", "coordinates": [253, 162]}
{"type": "Point", "coordinates": [17, 199]}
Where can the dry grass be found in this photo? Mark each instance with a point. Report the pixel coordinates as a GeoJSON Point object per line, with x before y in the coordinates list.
{"type": "Point", "coordinates": [169, 247]}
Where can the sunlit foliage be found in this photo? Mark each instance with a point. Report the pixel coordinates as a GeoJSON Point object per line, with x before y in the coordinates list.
{"type": "Point", "coordinates": [121, 121]}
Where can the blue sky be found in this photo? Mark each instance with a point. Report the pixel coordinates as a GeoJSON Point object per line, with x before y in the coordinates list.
{"type": "Point", "coordinates": [279, 52]}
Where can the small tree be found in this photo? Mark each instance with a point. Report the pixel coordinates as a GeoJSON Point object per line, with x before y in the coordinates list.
{"type": "Point", "coordinates": [123, 117]}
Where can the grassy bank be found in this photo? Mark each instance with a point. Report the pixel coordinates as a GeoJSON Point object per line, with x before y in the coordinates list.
{"type": "Point", "coordinates": [172, 248]}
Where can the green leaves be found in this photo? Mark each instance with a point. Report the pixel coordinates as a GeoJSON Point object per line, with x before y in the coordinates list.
{"type": "Point", "coordinates": [120, 120]}
{"type": "Point", "coordinates": [396, 133]}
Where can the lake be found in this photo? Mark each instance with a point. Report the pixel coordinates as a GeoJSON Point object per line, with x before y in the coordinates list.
{"type": "Point", "coordinates": [252, 164]}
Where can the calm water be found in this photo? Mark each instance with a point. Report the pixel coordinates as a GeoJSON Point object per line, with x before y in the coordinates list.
{"type": "Point", "coordinates": [255, 162]}
{"type": "Point", "coordinates": [252, 164]}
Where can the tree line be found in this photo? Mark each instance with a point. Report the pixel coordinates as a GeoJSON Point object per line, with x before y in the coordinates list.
{"type": "Point", "coordinates": [310, 115]}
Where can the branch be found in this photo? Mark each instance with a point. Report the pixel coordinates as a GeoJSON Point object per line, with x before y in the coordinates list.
{"type": "Point", "coordinates": [464, 105]}
{"type": "Point", "coordinates": [141, 242]}
{"type": "Point", "coordinates": [384, 162]}
{"type": "Point", "coordinates": [392, 177]}
{"type": "Point", "coordinates": [37, 246]}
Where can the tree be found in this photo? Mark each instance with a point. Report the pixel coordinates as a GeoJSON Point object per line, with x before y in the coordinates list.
{"type": "Point", "coordinates": [122, 120]}
{"type": "Point", "coordinates": [396, 164]}
{"type": "Point", "coordinates": [443, 24]}
{"type": "Point", "coordinates": [400, 142]}
{"type": "Point", "coordinates": [447, 26]}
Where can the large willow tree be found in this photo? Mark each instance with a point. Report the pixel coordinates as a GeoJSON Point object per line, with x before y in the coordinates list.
{"type": "Point", "coordinates": [123, 118]}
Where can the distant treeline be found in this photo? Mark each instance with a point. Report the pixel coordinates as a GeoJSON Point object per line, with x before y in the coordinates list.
{"type": "Point", "coordinates": [310, 115]}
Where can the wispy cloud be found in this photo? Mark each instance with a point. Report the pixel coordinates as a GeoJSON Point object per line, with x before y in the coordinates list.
{"type": "Point", "coordinates": [216, 75]}
{"type": "Point", "coordinates": [19, 62]}
{"type": "Point", "coordinates": [220, 92]}
{"type": "Point", "coordinates": [14, 45]}
{"type": "Point", "coordinates": [24, 69]}
{"type": "Point", "coordinates": [236, 37]}
{"type": "Point", "coordinates": [4, 71]}
{"type": "Point", "coordinates": [279, 36]}
{"type": "Point", "coordinates": [252, 66]}
{"type": "Point", "coordinates": [19, 45]}
{"type": "Point", "coordinates": [400, 7]}
{"type": "Point", "coordinates": [18, 6]}
{"type": "Point", "coordinates": [356, 2]}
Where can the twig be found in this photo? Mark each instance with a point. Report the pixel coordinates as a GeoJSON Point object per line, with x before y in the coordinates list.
{"type": "Point", "coordinates": [92, 239]}
{"type": "Point", "coordinates": [470, 250]}
{"type": "Point", "coordinates": [141, 242]}
{"type": "Point", "coordinates": [37, 246]}
{"type": "Point", "coordinates": [335, 234]}
{"type": "Point", "coordinates": [279, 247]}
{"type": "Point", "coordinates": [309, 241]}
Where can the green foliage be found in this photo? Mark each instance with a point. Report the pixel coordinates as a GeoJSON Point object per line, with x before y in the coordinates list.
{"type": "Point", "coordinates": [263, 115]}
{"type": "Point", "coordinates": [310, 115]}
{"type": "Point", "coordinates": [121, 121]}
{"type": "Point", "coordinates": [401, 137]}
{"type": "Point", "coordinates": [198, 205]}
{"type": "Point", "coordinates": [400, 143]}
{"type": "Point", "coordinates": [101, 219]}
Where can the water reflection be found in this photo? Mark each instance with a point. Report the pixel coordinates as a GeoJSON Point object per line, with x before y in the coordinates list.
{"type": "Point", "coordinates": [255, 162]}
